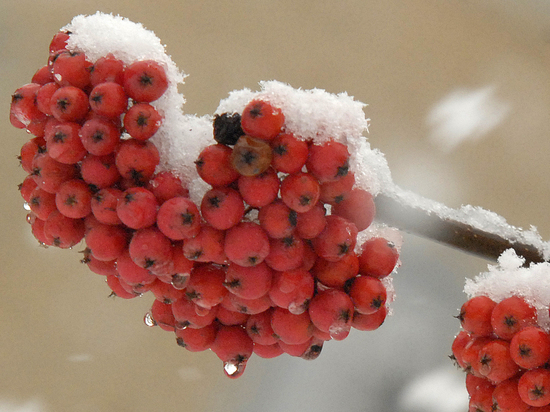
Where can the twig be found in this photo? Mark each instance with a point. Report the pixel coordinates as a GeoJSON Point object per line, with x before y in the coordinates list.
{"type": "Point", "coordinates": [457, 234]}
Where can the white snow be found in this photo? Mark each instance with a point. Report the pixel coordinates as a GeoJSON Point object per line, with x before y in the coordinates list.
{"type": "Point", "coordinates": [509, 277]}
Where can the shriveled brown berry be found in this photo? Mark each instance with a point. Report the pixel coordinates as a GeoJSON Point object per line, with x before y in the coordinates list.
{"type": "Point", "coordinates": [251, 156]}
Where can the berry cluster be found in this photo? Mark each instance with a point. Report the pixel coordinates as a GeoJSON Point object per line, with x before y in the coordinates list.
{"type": "Point", "coordinates": [265, 263]}
{"type": "Point", "coordinates": [506, 355]}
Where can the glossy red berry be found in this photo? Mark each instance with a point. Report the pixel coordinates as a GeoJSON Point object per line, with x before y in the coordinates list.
{"type": "Point", "coordinates": [300, 191]}
{"type": "Point", "coordinates": [71, 69]}
{"type": "Point", "coordinates": [331, 311]}
{"type": "Point", "coordinates": [99, 136]}
{"type": "Point", "coordinates": [103, 205]}
{"type": "Point", "coordinates": [475, 316]}
{"type": "Point", "coordinates": [131, 273]}
{"type": "Point", "coordinates": [534, 387]}
{"type": "Point", "coordinates": [292, 290]}
{"type": "Point", "coordinates": [142, 121]}
{"type": "Point", "coordinates": [260, 190]}
{"type": "Point", "coordinates": [206, 286]}
{"type": "Point", "coordinates": [336, 274]}
{"type": "Point", "coordinates": [42, 203]}
{"type": "Point", "coordinates": [246, 244]}
{"type": "Point", "coordinates": [286, 253]}
{"type": "Point", "coordinates": [214, 165]}
{"type": "Point", "coordinates": [106, 242]}
{"type": "Point", "coordinates": [337, 239]}
{"type": "Point", "coordinates": [259, 328]}
{"type": "Point", "coordinates": [74, 199]}
{"type": "Point", "coordinates": [166, 185]}
{"type": "Point", "coordinates": [64, 144]}
{"type": "Point", "coordinates": [262, 120]}
{"type": "Point", "coordinates": [136, 160]}
{"type": "Point", "coordinates": [178, 218]}
{"type": "Point", "coordinates": [289, 153]}
{"type": "Point", "coordinates": [69, 104]}
{"type": "Point", "coordinates": [137, 208]}
{"type": "Point", "coordinates": [49, 174]}
{"type": "Point", "coordinates": [222, 207]}
{"type": "Point", "coordinates": [197, 340]}
{"type": "Point", "coordinates": [530, 347]}
{"type": "Point", "coordinates": [234, 347]}
{"type": "Point", "coordinates": [100, 171]}
{"type": "Point", "coordinates": [290, 328]}
{"type": "Point", "coordinates": [378, 257]}
{"type": "Point", "coordinates": [357, 207]}
{"type": "Point", "coordinates": [151, 250]}
{"type": "Point", "coordinates": [107, 69]}
{"type": "Point", "coordinates": [328, 161]}
{"type": "Point", "coordinates": [207, 246]}
{"type": "Point", "coordinates": [511, 315]}
{"type": "Point", "coordinates": [108, 100]}
{"type": "Point", "coordinates": [495, 362]}
{"type": "Point", "coordinates": [250, 282]}
{"type": "Point", "coordinates": [62, 231]}
{"type": "Point", "coordinates": [311, 223]}
{"type": "Point", "coordinates": [145, 81]}
{"type": "Point", "coordinates": [278, 220]}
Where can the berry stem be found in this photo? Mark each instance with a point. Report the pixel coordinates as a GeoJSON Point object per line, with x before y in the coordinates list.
{"type": "Point", "coordinates": [419, 221]}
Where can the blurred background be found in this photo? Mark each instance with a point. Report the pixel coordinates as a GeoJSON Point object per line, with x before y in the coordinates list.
{"type": "Point", "coordinates": [458, 95]}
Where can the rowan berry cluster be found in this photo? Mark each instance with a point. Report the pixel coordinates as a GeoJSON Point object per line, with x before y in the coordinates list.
{"type": "Point", "coordinates": [505, 354]}
{"type": "Point", "coordinates": [267, 263]}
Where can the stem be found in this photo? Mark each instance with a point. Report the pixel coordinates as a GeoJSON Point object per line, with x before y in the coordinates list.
{"type": "Point", "coordinates": [451, 232]}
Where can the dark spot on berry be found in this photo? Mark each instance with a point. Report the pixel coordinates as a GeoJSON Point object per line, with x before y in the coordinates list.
{"type": "Point", "coordinates": [345, 315]}
{"type": "Point", "coordinates": [195, 255]}
{"type": "Point", "coordinates": [242, 309]}
{"type": "Point", "coordinates": [192, 295]}
{"type": "Point", "coordinates": [342, 170]}
{"type": "Point", "coordinates": [181, 343]}
{"type": "Point", "coordinates": [199, 162]}
{"type": "Point", "coordinates": [305, 200]}
{"type": "Point", "coordinates": [510, 321]}
{"type": "Point", "coordinates": [254, 330]}
{"type": "Point", "coordinates": [343, 248]}
{"type": "Point", "coordinates": [16, 97]}
{"type": "Point", "coordinates": [288, 241]}
{"type": "Point", "coordinates": [214, 201]}
{"type": "Point", "coordinates": [252, 260]}
{"type": "Point", "coordinates": [96, 98]}
{"type": "Point", "coordinates": [63, 104]}
{"type": "Point", "coordinates": [97, 136]}
{"type": "Point", "coordinates": [59, 137]}
{"type": "Point", "coordinates": [146, 80]}
{"type": "Point", "coordinates": [187, 218]}
{"type": "Point", "coordinates": [338, 199]}
{"type": "Point", "coordinates": [280, 150]}
{"type": "Point", "coordinates": [485, 360]}
{"type": "Point", "coordinates": [235, 283]}
{"type": "Point", "coordinates": [377, 302]}
{"type": "Point", "coordinates": [293, 218]}
{"type": "Point", "coordinates": [524, 351]}
{"type": "Point", "coordinates": [142, 120]}
{"type": "Point", "coordinates": [149, 262]}
{"type": "Point", "coordinates": [256, 110]}
{"type": "Point", "coordinates": [71, 200]}
{"type": "Point", "coordinates": [249, 157]}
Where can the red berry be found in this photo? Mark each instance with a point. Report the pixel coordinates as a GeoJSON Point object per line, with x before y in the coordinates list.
{"type": "Point", "coordinates": [64, 144]}
{"type": "Point", "coordinates": [368, 294]}
{"type": "Point", "coordinates": [69, 104]}
{"type": "Point", "coordinates": [495, 362]}
{"type": "Point", "coordinates": [250, 156]}
{"type": "Point", "coordinates": [142, 121]}
{"type": "Point", "coordinates": [29, 150]}
{"type": "Point", "coordinates": [151, 250]}
{"type": "Point", "coordinates": [290, 328]}
{"type": "Point", "coordinates": [300, 191]}
{"type": "Point", "coordinates": [99, 267]}
{"type": "Point", "coordinates": [106, 242]}
{"type": "Point", "coordinates": [99, 171]}
{"type": "Point", "coordinates": [27, 187]}
{"type": "Point", "coordinates": [214, 165]}
{"type": "Point", "coordinates": [107, 69]}
{"type": "Point", "coordinates": [187, 314]}
{"type": "Point", "coordinates": [131, 273]}
{"type": "Point", "coordinates": [530, 347]}
{"type": "Point", "coordinates": [235, 303]}
{"type": "Point", "coordinates": [267, 351]}
{"type": "Point", "coordinates": [137, 160]}
{"type": "Point", "coordinates": [108, 99]}
{"type": "Point", "coordinates": [43, 75]}
{"type": "Point", "coordinates": [62, 231]}
{"type": "Point", "coordinates": [196, 340]}
{"type": "Point", "coordinates": [205, 288]}
{"type": "Point", "coordinates": [311, 223]}
{"type": "Point", "coordinates": [511, 315]}
{"type": "Point", "coordinates": [369, 322]}
{"type": "Point", "coordinates": [23, 108]}
{"type": "Point", "coordinates": [42, 203]}
{"type": "Point", "coordinates": [286, 253]}
{"type": "Point", "coordinates": [59, 42]}
{"type": "Point", "coordinates": [331, 311]}
{"type": "Point", "coordinates": [470, 354]}
{"type": "Point", "coordinates": [475, 316]}
{"type": "Point", "coordinates": [292, 290]}
{"type": "Point", "coordinates": [338, 190]}
{"type": "Point", "coordinates": [137, 208]}
{"type": "Point", "coordinates": [260, 190]}
{"type": "Point", "coordinates": [475, 384]}
{"type": "Point", "coordinates": [261, 120]}
{"type": "Point", "coordinates": [259, 328]}
{"type": "Point", "coordinates": [49, 174]}
{"type": "Point", "coordinates": [222, 207]}
{"type": "Point", "coordinates": [482, 400]}
{"type": "Point", "coordinates": [230, 317]}
{"type": "Point", "coordinates": [534, 387]}
{"type": "Point", "coordinates": [44, 97]}
{"type": "Point", "coordinates": [246, 244]}
{"type": "Point", "coordinates": [166, 185]}
{"type": "Point", "coordinates": [178, 218]}
{"type": "Point", "coordinates": [460, 341]}
{"type": "Point", "coordinates": [99, 136]}
{"type": "Point", "coordinates": [506, 397]}
{"type": "Point", "coordinates": [336, 240]}
{"type": "Point", "coordinates": [234, 347]}
{"type": "Point", "coordinates": [207, 246]}
{"type": "Point", "coordinates": [145, 81]}
{"type": "Point", "coordinates": [161, 315]}
{"type": "Point", "coordinates": [289, 153]}
{"type": "Point", "coordinates": [358, 207]}
{"type": "Point", "coordinates": [378, 258]}
{"type": "Point", "coordinates": [115, 285]}
{"type": "Point", "coordinates": [336, 274]}
{"type": "Point", "coordinates": [277, 219]}
{"type": "Point", "coordinates": [37, 229]}
{"type": "Point", "coordinates": [71, 69]}
{"type": "Point", "coordinates": [328, 161]}
{"type": "Point", "coordinates": [74, 199]}
{"type": "Point", "coordinates": [248, 282]}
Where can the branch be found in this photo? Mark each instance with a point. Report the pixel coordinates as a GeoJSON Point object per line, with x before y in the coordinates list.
{"type": "Point", "coordinates": [454, 233]}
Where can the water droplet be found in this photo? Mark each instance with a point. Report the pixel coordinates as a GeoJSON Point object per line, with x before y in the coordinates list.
{"type": "Point", "coordinates": [234, 368]}
{"type": "Point", "coordinates": [149, 321]}
{"type": "Point", "coordinates": [26, 206]}
{"type": "Point", "coordinates": [297, 308]}
{"type": "Point", "coordinates": [180, 280]}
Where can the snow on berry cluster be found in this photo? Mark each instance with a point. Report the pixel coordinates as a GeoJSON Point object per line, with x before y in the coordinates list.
{"type": "Point", "coordinates": [504, 345]}
{"type": "Point", "coordinates": [261, 241]}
